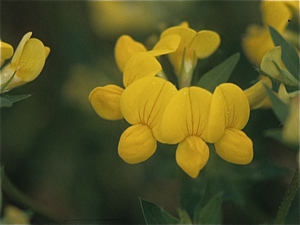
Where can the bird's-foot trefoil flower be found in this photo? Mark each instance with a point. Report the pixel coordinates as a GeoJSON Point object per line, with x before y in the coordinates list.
{"type": "Point", "coordinates": [106, 100]}
{"type": "Point", "coordinates": [142, 104]}
{"type": "Point", "coordinates": [135, 62]}
{"type": "Point", "coordinates": [26, 64]}
{"type": "Point", "coordinates": [126, 47]}
{"type": "Point", "coordinates": [193, 46]}
{"type": "Point", "coordinates": [195, 116]}
{"type": "Point", "coordinates": [257, 95]}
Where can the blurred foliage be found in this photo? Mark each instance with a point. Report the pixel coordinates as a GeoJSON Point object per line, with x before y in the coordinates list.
{"type": "Point", "coordinates": [62, 155]}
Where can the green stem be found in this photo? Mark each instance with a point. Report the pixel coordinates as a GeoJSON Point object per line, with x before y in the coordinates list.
{"type": "Point", "coordinates": [288, 198]}
{"type": "Point", "coordinates": [24, 201]}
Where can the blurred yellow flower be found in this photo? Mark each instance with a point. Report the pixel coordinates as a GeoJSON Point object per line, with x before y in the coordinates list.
{"type": "Point", "coordinates": [14, 215]}
{"type": "Point", "coordinates": [257, 40]}
{"type": "Point", "coordinates": [257, 94]}
{"type": "Point", "coordinates": [193, 46]}
{"type": "Point", "coordinates": [113, 18]}
{"type": "Point", "coordinates": [26, 64]}
{"type": "Point", "coordinates": [195, 116]}
{"type": "Point", "coordinates": [6, 52]}
{"type": "Point", "coordinates": [142, 104]}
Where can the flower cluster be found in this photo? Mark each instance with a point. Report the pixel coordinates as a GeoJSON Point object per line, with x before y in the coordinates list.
{"type": "Point", "coordinates": [157, 110]}
{"type": "Point", "coordinates": [26, 64]}
{"type": "Point", "coordinates": [259, 47]}
{"type": "Point", "coordinates": [260, 50]}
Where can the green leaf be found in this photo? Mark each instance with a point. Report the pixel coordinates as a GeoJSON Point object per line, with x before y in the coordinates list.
{"type": "Point", "coordinates": [280, 109]}
{"type": "Point", "coordinates": [153, 214]}
{"type": "Point", "coordinates": [290, 57]}
{"type": "Point", "coordinates": [8, 100]}
{"type": "Point", "coordinates": [219, 74]}
{"type": "Point", "coordinates": [184, 217]}
{"type": "Point", "coordinates": [211, 213]}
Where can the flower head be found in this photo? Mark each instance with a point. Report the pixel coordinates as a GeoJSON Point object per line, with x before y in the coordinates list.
{"type": "Point", "coordinates": [26, 64]}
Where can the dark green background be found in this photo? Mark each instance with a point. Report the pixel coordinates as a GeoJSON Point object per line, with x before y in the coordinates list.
{"type": "Point", "coordinates": [60, 153]}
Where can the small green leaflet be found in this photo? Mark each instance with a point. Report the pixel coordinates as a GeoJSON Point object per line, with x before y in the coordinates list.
{"type": "Point", "coordinates": [219, 74]}
{"type": "Point", "coordinates": [280, 109]}
{"type": "Point", "coordinates": [290, 57]}
{"type": "Point", "coordinates": [8, 100]}
{"type": "Point", "coordinates": [153, 214]}
{"type": "Point", "coordinates": [211, 213]}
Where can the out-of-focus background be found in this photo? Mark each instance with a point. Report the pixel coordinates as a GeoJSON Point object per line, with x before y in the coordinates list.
{"type": "Point", "coordinates": [61, 154]}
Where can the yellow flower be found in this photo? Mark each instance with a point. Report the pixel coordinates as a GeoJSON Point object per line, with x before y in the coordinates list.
{"type": "Point", "coordinates": [234, 146]}
{"type": "Point", "coordinates": [195, 116]}
{"type": "Point", "coordinates": [106, 100]}
{"type": "Point", "coordinates": [126, 47]}
{"type": "Point", "coordinates": [257, 94]}
{"type": "Point", "coordinates": [26, 64]}
{"type": "Point", "coordinates": [13, 215]}
{"type": "Point", "coordinates": [257, 40]}
{"type": "Point", "coordinates": [194, 45]}
{"type": "Point", "coordinates": [6, 52]}
{"type": "Point", "coordinates": [184, 121]}
{"type": "Point", "coordinates": [142, 104]}
{"type": "Point", "coordinates": [135, 62]}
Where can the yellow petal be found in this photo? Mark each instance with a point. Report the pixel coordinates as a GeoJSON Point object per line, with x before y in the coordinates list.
{"type": "Point", "coordinates": [125, 47]}
{"type": "Point", "coordinates": [144, 101]}
{"type": "Point", "coordinates": [6, 51]}
{"type": "Point", "coordinates": [275, 14]}
{"type": "Point", "coordinates": [19, 50]}
{"type": "Point", "coordinates": [187, 36]}
{"type": "Point", "coordinates": [205, 43]}
{"type": "Point", "coordinates": [192, 155]}
{"type": "Point", "coordinates": [236, 110]}
{"type": "Point", "coordinates": [137, 144]}
{"type": "Point", "coordinates": [106, 101]}
{"type": "Point", "coordinates": [166, 45]}
{"type": "Point", "coordinates": [257, 95]}
{"type": "Point", "coordinates": [185, 115]}
{"type": "Point", "coordinates": [256, 42]}
{"type": "Point", "coordinates": [140, 65]}
{"type": "Point", "coordinates": [32, 60]}
{"type": "Point", "coordinates": [235, 147]}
